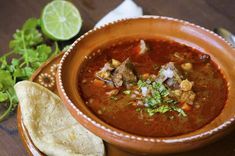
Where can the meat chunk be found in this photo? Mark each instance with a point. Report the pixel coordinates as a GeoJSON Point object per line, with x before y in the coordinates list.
{"type": "Point", "coordinates": [169, 75]}
{"type": "Point", "coordinates": [117, 73]}
{"type": "Point", "coordinates": [124, 74]}
{"type": "Point", "coordinates": [105, 73]}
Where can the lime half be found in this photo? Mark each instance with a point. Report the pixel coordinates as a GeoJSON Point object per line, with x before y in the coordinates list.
{"type": "Point", "coordinates": [60, 20]}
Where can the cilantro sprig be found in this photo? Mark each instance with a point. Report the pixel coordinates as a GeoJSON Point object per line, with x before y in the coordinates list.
{"type": "Point", "coordinates": [29, 49]}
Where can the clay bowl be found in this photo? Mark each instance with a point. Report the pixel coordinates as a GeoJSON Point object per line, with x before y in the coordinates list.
{"type": "Point", "coordinates": [148, 26]}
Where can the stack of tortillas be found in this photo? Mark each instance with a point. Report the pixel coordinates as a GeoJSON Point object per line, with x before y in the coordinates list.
{"type": "Point", "coordinates": [51, 127]}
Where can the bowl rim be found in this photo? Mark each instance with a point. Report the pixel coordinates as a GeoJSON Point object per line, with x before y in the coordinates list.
{"type": "Point", "coordinates": [121, 133]}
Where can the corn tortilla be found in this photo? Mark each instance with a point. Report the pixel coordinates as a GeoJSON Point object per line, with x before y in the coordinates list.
{"type": "Point", "coordinates": [51, 127]}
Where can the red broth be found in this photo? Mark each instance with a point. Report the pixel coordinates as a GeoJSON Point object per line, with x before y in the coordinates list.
{"type": "Point", "coordinates": [209, 86]}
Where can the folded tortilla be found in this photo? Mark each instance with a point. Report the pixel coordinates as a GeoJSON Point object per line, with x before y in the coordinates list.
{"type": "Point", "coordinates": [51, 127]}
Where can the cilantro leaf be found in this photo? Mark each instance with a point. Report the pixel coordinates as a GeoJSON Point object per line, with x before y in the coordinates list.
{"type": "Point", "coordinates": [27, 37]}
{"type": "Point", "coordinates": [15, 62]}
{"type": "Point", "coordinates": [12, 96]}
{"type": "Point", "coordinates": [161, 109]}
{"type": "Point", "coordinates": [158, 101]}
{"type": "Point", "coordinates": [3, 62]}
{"type": "Point", "coordinates": [179, 110]}
{"type": "Point", "coordinates": [28, 71]}
{"type": "Point", "coordinates": [3, 96]}
{"type": "Point", "coordinates": [1, 86]}
{"type": "Point", "coordinates": [31, 23]}
{"type": "Point", "coordinates": [43, 52]}
{"type": "Point", "coordinates": [170, 101]}
{"type": "Point", "coordinates": [161, 88]}
{"type": "Point", "coordinates": [30, 56]}
{"type": "Point", "coordinates": [6, 79]}
{"type": "Point", "coordinates": [30, 50]}
{"type": "Point", "coordinates": [141, 83]}
{"type": "Point", "coordinates": [152, 102]}
{"type": "Point", "coordinates": [19, 73]}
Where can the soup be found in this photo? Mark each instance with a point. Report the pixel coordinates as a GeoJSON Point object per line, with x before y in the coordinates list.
{"type": "Point", "coordinates": [152, 87]}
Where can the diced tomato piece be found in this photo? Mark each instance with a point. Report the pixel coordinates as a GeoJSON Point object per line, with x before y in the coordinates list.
{"type": "Point", "coordinates": [186, 107]}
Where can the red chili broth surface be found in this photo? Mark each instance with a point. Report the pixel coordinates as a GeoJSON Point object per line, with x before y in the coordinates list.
{"type": "Point", "coordinates": [209, 85]}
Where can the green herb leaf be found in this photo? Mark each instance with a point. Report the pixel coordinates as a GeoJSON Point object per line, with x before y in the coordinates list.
{"type": "Point", "coordinates": [43, 52]}
{"type": "Point", "coordinates": [3, 62]}
{"type": "Point", "coordinates": [3, 96]}
{"type": "Point", "coordinates": [31, 23]}
{"type": "Point", "coordinates": [141, 83]}
{"type": "Point", "coordinates": [157, 96]}
{"type": "Point", "coordinates": [161, 88]}
{"type": "Point", "coordinates": [6, 79]}
{"type": "Point", "coordinates": [179, 110]}
{"type": "Point", "coordinates": [12, 96]}
{"type": "Point", "coordinates": [15, 62]}
{"type": "Point", "coordinates": [1, 87]}
{"type": "Point", "coordinates": [28, 71]}
{"type": "Point", "coordinates": [31, 51]}
{"type": "Point", "coordinates": [30, 56]}
{"type": "Point", "coordinates": [151, 102]}
{"type": "Point", "coordinates": [161, 109]}
{"type": "Point", "coordinates": [158, 101]}
{"type": "Point", "coordinates": [27, 37]}
{"type": "Point", "coordinates": [170, 101]}
{"type": "Point", "coordinates": [19, 73]}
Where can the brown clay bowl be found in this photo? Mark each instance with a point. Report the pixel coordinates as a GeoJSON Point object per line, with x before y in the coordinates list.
{"type": "Point", "coordinates": [148, 26]}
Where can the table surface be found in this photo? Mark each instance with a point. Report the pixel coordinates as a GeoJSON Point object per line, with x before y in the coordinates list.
{"type": "Point", "coordinates": [206, 13]}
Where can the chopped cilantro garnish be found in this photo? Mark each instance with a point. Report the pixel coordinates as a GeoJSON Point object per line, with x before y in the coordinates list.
{"type": "Point", "coordinates": [170, 101]}
{"type": "Point", "coordinates": [159, 100]}
{"type": "Point", "coordinates": [157, 96]}
{"type": "Point", "coordinates": [141, 83]}
{"type": "Point", "coordinates": [150, 101]}
{"type": "Point", "coordinates": [161, 88]}
{"type": "Point", "coordinates": [150, 111]}
{"type": "Point", "coordinates": [164, 109]}
{"type": "Point", "coordinates": [179, 110]}
{"type": "Point", "coordinates": [161, 109]}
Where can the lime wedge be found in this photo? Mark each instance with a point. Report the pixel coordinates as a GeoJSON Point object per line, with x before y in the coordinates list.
{"type": "Point", "coordinates": [60, 20]}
